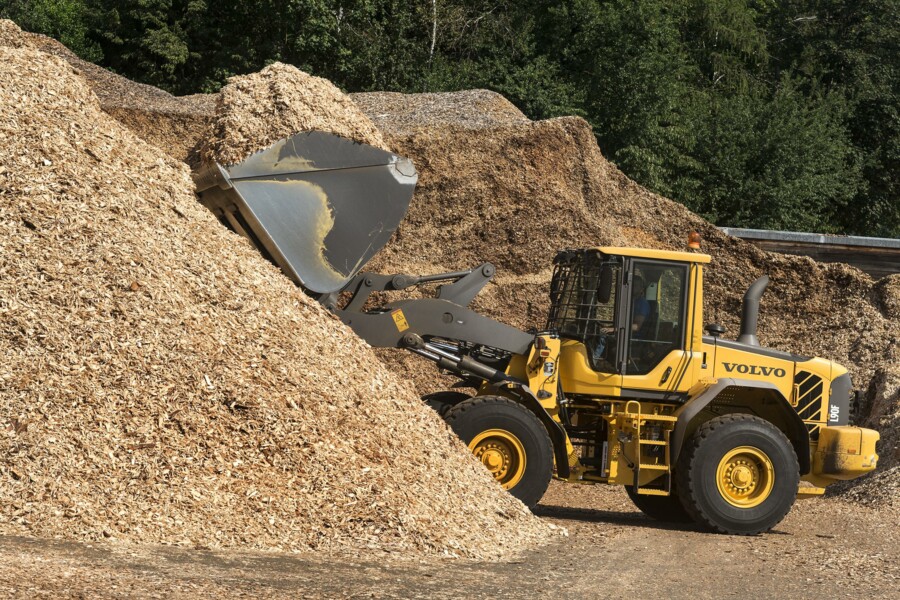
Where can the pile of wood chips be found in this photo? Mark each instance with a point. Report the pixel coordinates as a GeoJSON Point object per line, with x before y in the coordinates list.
{"type": "Point", "coordinates": [495, 186]}
{"type": "Point", "coordinates": [255, 111]}
{"type": "Point", "coordinates": [169, 122]}
{"type": "Point", "coordinates": [163, 383]}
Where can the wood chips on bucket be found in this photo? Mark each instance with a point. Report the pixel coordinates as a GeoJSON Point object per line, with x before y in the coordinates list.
{"type": "Point", "coordinates": [254, 111]}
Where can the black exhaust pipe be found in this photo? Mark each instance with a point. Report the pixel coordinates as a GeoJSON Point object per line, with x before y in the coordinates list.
{"type": "Point", "coordinates": [750, 311]}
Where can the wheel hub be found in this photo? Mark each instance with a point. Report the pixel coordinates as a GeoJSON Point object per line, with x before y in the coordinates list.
{"type": "Point", "coordinates": [745, 477]}
{"type": "Point", "coordinates": [742, 476]}
{"type": "Point", "coordinates": [503, 455]}
{"type": "Point", "coordinates": [493, 459]}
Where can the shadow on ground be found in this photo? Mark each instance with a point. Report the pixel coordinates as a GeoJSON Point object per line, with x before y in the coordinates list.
{"type": "Point", "coordinates": [590, 515]}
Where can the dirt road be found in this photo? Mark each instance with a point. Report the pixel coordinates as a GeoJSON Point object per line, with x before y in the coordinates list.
{"type": "Point", "coordinates": [824, 549]}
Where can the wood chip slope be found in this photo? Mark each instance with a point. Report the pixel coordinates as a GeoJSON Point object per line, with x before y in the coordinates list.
{"type": "Point", "coordinates": [514, 192]}
{"type": "Point", "coordinates": [171, 123]}
{"type": "Point", "coordinates": [161, 382]}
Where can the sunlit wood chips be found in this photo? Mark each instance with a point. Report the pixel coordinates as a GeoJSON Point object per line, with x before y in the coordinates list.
{"type": "Point", "coordinates": [161, 382]}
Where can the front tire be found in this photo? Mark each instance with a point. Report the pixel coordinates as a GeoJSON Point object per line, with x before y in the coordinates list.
{"type": "Point", "coordinates": [509, 440]}
{"type": "Point", "coordinates": [738, 475]}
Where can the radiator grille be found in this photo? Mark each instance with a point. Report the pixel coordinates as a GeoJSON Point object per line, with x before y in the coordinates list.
{"type": "Point", "coordinates": [810, 401]}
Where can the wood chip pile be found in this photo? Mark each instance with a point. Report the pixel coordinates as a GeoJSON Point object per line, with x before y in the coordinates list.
{"type": "Point", "coordinates": [254, 111]}
{"type": "Point", "coordinates": [883, 487]}
{"type": "Point", "coordinates": [173, 124]}
{"type": "Point", "coordinates": [495, 186]}
{"type": "Point", "coordinates": [469, 109]}
{"type": "Point", "coordinates": [163, 383]}
{"type": "Point", "coordinates": [513, 193]}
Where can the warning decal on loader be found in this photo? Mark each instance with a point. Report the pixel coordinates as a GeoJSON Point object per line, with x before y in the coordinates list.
{"type": "Point", "coordinates": [400, 320]}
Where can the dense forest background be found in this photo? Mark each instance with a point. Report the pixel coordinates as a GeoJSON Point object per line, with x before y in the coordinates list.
{"type": "Point", "coordinates": [767, 114]}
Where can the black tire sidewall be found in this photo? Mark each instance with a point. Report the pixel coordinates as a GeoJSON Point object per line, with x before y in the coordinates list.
{"type": "Point", "coordinates": [706, 458]}
{"type": "Point", "coordinates": [667, 509]}
{"type": "Point", "coordinates": [470, 418]}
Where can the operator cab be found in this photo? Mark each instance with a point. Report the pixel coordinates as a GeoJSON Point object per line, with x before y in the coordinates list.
{"type": "Point", "coordinates": [629, 313]}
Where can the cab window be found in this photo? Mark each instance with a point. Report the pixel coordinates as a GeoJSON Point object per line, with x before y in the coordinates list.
{"type": "Point", "coordinates": [658, 298]}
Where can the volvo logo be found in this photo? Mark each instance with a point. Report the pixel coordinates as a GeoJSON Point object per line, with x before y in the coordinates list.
{"type": "Point", "coordinates": [754, 370]}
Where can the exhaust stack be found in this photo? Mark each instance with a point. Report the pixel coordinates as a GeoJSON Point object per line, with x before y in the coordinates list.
{"type": "Point", "coordinates": [750, 311]}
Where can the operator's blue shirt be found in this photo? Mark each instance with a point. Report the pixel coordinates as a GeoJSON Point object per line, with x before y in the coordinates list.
{"type": "Point", "coordinates": [641, 307]}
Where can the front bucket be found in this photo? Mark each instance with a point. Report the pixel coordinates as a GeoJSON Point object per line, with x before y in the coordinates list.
{"type": "Point", "coordinates": [317, 205]}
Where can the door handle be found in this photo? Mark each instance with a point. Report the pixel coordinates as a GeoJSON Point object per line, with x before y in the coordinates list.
{"type": "Point", "coordinates": [665, 376]}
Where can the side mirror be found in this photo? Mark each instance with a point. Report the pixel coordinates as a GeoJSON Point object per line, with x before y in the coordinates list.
{"type": "Point", "coordinates": [714, 329]}
{"type": "Point", "coordinates": [604, 286]}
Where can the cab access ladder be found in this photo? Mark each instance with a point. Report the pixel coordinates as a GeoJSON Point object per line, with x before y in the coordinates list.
{"type": "Point", "coordinates": [649, 435]}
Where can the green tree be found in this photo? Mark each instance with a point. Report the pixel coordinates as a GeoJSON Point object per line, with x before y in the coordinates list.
{"type": "Point", "coordinates": [496, 45]}
{"type": "Point", "coordinates": [148, 40]}
{"type": "Point", "coordinates": [637, 80]}
{"type": "Point", "coordinates": [727, 42]}
{"type": "Point", "coordinates": [851, 47]}
{"type": "Point", "coordinates": [773, 160]}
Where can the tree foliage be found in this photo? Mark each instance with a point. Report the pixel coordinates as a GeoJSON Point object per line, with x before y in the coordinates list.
{"type": "Point", "coordinates": [753, 113]}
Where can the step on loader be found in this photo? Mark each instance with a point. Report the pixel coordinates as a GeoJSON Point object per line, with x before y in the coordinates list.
{"type": "Point", "coordinates": [624, 384]}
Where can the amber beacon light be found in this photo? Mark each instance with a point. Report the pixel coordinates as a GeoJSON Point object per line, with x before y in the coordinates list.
{"type": "Point", "coordinates": [694, 240]}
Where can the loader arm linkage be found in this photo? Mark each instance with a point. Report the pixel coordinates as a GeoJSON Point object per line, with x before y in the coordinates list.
{"type": "Point", "coordinates": [439, 329]}
{"type": "Point", "coordinates": [445, 316]}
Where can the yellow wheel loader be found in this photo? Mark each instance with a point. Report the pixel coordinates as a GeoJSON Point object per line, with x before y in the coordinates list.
{"type": "Point", "coordinates": [623, 385]}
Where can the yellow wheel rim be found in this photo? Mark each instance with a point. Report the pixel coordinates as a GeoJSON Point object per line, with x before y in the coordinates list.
{"type": "Point", "coordinates": [745, 477]}
{"type": "Point", "coordinates": [503, 455]}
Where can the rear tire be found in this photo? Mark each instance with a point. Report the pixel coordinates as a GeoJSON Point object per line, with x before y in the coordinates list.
{"type": "Point", "coordinates": [667, 509]}
{"type": "Point", "coordinates": [509, 440]}
{"type": "Point", "coordinates": [738, 475]}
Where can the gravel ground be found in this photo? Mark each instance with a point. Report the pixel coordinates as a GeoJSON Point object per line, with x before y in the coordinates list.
{"type": "Point", "coordinates": [825, 548]}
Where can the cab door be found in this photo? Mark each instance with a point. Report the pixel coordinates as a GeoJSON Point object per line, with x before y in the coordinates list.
{"type": "Point", "coordinates": [654, 360]}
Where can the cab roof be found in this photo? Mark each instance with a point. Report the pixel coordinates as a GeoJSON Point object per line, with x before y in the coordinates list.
{"type": "Point", "coordinates": [694, 257]}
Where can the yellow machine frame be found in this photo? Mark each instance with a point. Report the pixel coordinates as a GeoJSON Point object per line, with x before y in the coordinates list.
{"type": "Point", "coordinates": [638, 448]}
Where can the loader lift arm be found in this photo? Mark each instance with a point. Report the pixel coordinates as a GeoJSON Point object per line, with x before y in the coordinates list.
{"type": "Point", "coordinates": [445, 316]}
{"type": "Point", "coordinates": [442, 329]}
